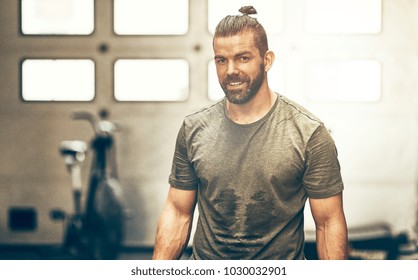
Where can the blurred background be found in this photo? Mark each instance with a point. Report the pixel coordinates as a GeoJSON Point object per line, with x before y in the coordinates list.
{"type": "Point", "coordinates": [353, 63]}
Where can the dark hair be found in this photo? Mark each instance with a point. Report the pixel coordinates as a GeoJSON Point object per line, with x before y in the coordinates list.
{"type": "Point", "coordinates": [232, 25]}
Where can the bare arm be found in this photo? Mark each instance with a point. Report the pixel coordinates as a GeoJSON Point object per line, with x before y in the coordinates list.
{"type": "Point", "coordinates": [175, 224]}
{"type": "Point", "coordinates": [331, 227]}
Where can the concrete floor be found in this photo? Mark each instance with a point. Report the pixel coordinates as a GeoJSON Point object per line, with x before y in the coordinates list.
{"type": "Point", "coordinates": [406, 252]}
{"type": "Point", "coordinates": [56, 253]}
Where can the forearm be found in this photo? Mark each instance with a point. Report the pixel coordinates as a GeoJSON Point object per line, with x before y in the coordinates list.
{"type": "Point", "coordinates": [331, 241]}
{"type": "Point", "coordinates": [172, 236]}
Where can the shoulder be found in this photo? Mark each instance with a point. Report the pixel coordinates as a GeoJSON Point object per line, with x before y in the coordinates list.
{"type": "Point", "coordinates": [298, 116]}
{"type": "Point", "coordinates": [206, 115]}
{"type": "Point", "coordinates": [291, 109]}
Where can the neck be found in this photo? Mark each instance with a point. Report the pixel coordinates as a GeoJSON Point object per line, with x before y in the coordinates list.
{"type": "Point", "coordinates": [254, 110]}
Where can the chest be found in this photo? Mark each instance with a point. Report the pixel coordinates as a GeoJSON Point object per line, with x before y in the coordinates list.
{"type": "Point", "coordinates": [268, 154]}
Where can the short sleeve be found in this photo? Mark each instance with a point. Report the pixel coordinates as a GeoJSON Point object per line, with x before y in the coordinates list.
{"type": "Point", "coordinates": [322, 176]}
{"type": "Point", "coordinates": [182, 174]}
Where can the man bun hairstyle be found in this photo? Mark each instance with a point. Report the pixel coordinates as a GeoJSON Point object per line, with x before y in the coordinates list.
{"type": "Point", "coordinates": [247, 10]}
{"type": "Point", "coordinates": [233, 24]}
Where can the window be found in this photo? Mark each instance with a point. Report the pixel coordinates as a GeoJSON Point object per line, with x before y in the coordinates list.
{"type": "Point", "coordinates": [67, 17]}
{"type": "Point", "coordinates": [346, 80]}
{"type": "Point", "coordinates": [156, 17]}
{"type": "Point", "coordinates": [58, 80]}
{"type": "Point", "coordinates": [215, 91]}
{"type": "Point", "coordinates": [343, 16]}
{"type": "Point", "coordinates": [151, 80]}
{"type": "Point", "coordinates": [271, 13]}
{"type": "Point", "coordinates": [168, 79]}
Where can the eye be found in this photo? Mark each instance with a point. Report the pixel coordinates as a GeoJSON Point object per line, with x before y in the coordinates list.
{"type": "Point", "coordinates": [244, 58]}
{"type": "Point", "coordinates": [220, 60]}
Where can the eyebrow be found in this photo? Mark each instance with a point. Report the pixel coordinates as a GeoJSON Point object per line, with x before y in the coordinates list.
{"type": "Point", "coordinates": [243, 53]}
{"type": "Point", "coordinates": [237, 55]}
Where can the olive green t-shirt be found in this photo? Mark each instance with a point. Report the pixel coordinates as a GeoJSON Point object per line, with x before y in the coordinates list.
{"type": "Point", "coordinates": [253, 180]}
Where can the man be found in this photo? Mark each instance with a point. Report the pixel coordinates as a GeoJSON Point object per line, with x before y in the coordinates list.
{"type": "Point", "coordinates": [250, 162]}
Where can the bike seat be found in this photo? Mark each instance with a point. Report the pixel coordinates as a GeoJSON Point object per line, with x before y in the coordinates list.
{"type": "Point", "coordinates": [73, 148]}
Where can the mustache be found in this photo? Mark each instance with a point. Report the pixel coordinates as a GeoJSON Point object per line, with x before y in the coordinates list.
{"type": "Point", "coordinates": [236, 79]}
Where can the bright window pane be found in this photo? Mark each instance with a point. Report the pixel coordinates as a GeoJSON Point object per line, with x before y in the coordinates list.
{"type": "Point", "coordinates": [58, 80]}
{"type": "Point", "coordinates": [352, 80]}
{"type": "Point", "coordinates": [151, 80]}
{"type": "Point", "coordinates": [269, 13]}
{"type": "Point", "coordinates": [215, 91]}
{"type": "Point", "coordinates": [275, 78]}
{"type": "Point", "coordinates": [343, 16]}
{"type": "Point", "coordinates": [68, 17]}
{"type": "Point", "coordinates": [156, 17]}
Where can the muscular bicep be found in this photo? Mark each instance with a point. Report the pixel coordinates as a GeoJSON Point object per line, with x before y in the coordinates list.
{"type": "Point", "coordinates": [175, 224]}
{"type": "Point", "coordinates": [331, 228]}
{"type": "Point", "coordinates": [181, 201]}
{"type": "Point", "coordinates": [327, 209]}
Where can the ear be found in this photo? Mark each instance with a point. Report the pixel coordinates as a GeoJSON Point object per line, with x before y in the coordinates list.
{"type": "Point", "coordinates": [268, 60]}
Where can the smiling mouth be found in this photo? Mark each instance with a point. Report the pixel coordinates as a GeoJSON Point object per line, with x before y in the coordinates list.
{"type": "Point", "coordinates": [235, 84]}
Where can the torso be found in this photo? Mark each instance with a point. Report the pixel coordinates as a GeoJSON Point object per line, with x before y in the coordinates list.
{"type": "Point", "coordinates": [250, 182]}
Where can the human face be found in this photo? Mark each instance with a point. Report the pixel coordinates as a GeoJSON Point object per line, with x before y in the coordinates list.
{"type": "Point", "coordinates": [239, 66]}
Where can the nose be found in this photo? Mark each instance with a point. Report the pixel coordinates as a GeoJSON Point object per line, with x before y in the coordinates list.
{"type": "Point", "coordinates": [232, 68]}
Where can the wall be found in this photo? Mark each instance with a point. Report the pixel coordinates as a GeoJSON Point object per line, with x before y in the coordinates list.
{"type": "Point", "coordinates": [377, 141]}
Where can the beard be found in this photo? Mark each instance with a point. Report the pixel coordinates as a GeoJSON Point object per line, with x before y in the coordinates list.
{"type": "Point", "coordinates": [242, 96]}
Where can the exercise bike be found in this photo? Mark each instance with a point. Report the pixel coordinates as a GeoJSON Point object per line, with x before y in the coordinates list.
{"type": "Point", "coordinates": [95, 230]}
